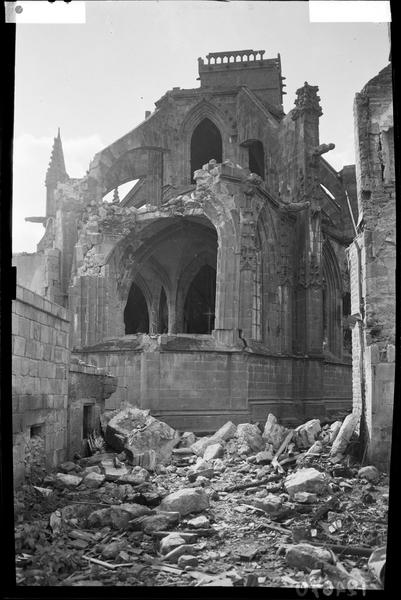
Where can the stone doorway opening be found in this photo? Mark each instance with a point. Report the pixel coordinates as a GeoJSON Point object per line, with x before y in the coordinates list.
{"type": "Point", "coordinates": [136, 315]}
{"type": "Point", "coordinates": [206, 144]}
{"type": "Point", "coordinates": [199, 308]}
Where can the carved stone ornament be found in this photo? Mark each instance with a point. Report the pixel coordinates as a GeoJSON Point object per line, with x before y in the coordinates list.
{"type": "Point", "coordinates": [307, 100]}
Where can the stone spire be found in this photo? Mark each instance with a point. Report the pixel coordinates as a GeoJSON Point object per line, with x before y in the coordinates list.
{"type": "Point", "coordinates": [56, 172]}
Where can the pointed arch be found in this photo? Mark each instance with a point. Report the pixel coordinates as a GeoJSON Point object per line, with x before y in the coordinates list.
{"type": "Point", "coordinates": [332, 301]}
{"type": "Point", "coordinates": [203, 110]}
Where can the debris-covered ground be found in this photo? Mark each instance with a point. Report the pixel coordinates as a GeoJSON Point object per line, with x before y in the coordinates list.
{"type": "Point", "coordinates": [252, 505]}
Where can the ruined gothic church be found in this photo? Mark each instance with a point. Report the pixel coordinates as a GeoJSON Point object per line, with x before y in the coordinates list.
{"type": "Point", "coordinates": [216, 288]}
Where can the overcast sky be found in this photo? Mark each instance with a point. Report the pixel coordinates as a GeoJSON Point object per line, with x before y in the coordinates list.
{"type": "Point", "coordinates": [95, 81]}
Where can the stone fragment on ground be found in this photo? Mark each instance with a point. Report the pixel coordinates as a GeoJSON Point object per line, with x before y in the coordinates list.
{"type": "Point", "coordinates": [226, 432]}
{"type": "Point", "coordinates": [305, 480]}
{"type": "Point", "coordinates": [113, 549]}
{"type": "Point", "coordinates": [171, 541]}
{"type": "Point", "coordinates": [334, 430]}
{"type": "Point", "coordinates": [68, 467]}
{"type": "Point", "coordinates": [249, 437]}
{"type": "Point", "coordinates": [136, 430]}
{"type": "Point", "coordinates": [187, 560]}
{"type": "Point", "coordinates": [186, 501]}
{"type": "Point", "coordinates": [137, 476]}
{"type": "Point", "coordinates": [67, 480]}
{"type": "Point", "coordinates": [274, 433]}
{"type": "Point", "coordinates": [198, 522]}
{"type": "Point", "coordinates": [305, 497]}
{"type": "Point", "coordinates": [306, 434]}
{"type": "Point", "coordinates": [370, 473]}
{"type": "Point", "coordinates": [146, 459]}
{"type": "Point", "coordinates": [213, 451]}
{"type": "Point", "coordinates": [117, 516]}
{"type": "Point", "coordinates": [271, 504]}
{"type": "Point", "coordinates": [305, 556]}
{"type": "Point", "coordinates": [174, 555]}
{"type": "Point", "coordinates": [113, 473]}
{"type": "Point", "coordinates": [344, 435]}
{"type": "Point", "coordinates": [264, 457]}
{"type": "Point", "coordinates": [93, 480]}
{"type": "Point", "coordinates": [187, 439]}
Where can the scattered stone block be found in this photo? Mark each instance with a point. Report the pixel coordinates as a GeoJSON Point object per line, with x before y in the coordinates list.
{"type": "Point", "coordinates": [137, 476]}
{"type": "Point", "coordinates": [306, 556]}
{"type": "Point", "coordinates": [344, 435]}
{"type": "Point", "coordinates": [370, 473]}
{"type": "Point", "coordinates": [67, 467]}
{"type": "Point", "coordinates": [66, 480]}
{"type": "Point", "coordinates": [138, 431]}
{"type": "Point", "coordinates": [249, 436]}
{"type": "Point", "coordinates": [187, 439]}
{"type": "Point", "coordinates": [94, 469]}
{"type": "Point", "coordinates": [213, 451]}
{"type": "Point", "coordinates": [305, 497]}
{"type": "Point", "coordinates": [305, 480]}
{"type": "Point", "coordinates": [315, 449]}
{"type": "Point", "coordinates": [186, 501]}
{"type": "Point", "coordinates": [147, 459]}
{"type": "Point", "coordinates": [264, 457]}
{"type": "Point", "coordinates": [93, 480]}
{"type": "Point", "coordinates": [171, 541]}
{"type": "Point", "coordinates": [198, 522]}
{"type": "Point", "coordinates": [305, 435]}
{"type": "Point", "coordinates": [334, 430]}
{"type": "Point", "coordinates": [274, 433]}
{"type": "Point", "coordinates": [113, 473]}
{"type": "Point", "coordinates": [271, 504]}
{"type": "Point", "coordinates": [113, 549]}
{"type": "Point", "coordinates": [187, 560]}
{"type": "Point", "coordinates": [117, 516]}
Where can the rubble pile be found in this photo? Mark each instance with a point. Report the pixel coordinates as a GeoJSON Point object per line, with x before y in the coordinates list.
{"type": "Point", "coordinates": [255, 504]}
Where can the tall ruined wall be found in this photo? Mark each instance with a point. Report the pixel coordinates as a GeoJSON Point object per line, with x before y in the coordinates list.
{"type": "Point", "coordinates": [372, 257]}
{"type": "Point", "coordinates": [39, 377]}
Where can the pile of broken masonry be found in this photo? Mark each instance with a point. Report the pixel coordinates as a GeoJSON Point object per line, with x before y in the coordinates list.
{"type": "Point", "coordinates": [250, 505]}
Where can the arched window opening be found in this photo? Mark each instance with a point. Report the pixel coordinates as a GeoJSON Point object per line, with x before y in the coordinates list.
{"type": "Point", "coordinates": [257, 158]}
{"type": "Point", "coordinates": [163, 313]}
{"type": "Point", "coordinates": [136, 316]}
{"type": "Point", "coordinates": [206, 144]}
{"type": "Point", "coordinates": [199, 308]}
{"type": "Point", "coordinates": [257, 299]}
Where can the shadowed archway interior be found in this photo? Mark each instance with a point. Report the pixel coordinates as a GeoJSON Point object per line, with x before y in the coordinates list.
{"type": "Point", "coordinates": [136, 316]}
{"type": "Point", "coordinates": [199, 309]}
{"type": "Point", "coordinates": [206, 144]}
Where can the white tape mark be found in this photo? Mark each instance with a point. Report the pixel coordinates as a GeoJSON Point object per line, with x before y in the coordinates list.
{"type": "Point", "coordinates": [349, 11]}
{"type": "Point", "coordinates": [38, 12]}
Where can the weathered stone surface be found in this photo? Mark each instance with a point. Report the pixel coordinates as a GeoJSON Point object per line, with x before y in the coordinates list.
{"type": "Point", "coordinates": [66, 480]}
{"type": "Point", "coordinates": [188, 438]}
{"type": "Point", "coordinates": [305, 480]}
{"type": "Point", "coordinates": [249, 435]}
{"type": "Point", "coordinates": [146, 459]}
{"type": "Point", "coordinates": [315, 449]}
{"type": "Point", "coordinates": [68, 467]}
{"type": "Point", "coordinates": [263, 458]}
{"type": "Point", "coordinates": [93, 480]}
{"type": "Point", "coordinates": [370, 473]}
{"type": "Point", "coordinates": [117, 516]}
{"type": "Point", "coordinates": [274, 433]}
{"type": "Point", "coordinates": [271, 504]}
{"type": "Point", "coordinates": [334, 430]}
{"type": "Point", "coordinates": [306, 434]}
{"type": "Point", "coordinates": [94, 469]}
{"type": "Point", "coordinates": [226, 432]}
{"type": "Point", "coordinates": [306, 556]}
{"type": "Point", "coordinates": [137, 476]}
{"type": "Point", "coordinates": [213, 451]}
{"type": "Point", "coordinates": [305, 497]}
{"type": "Point", "coordinates": [187, 560]}
{"type": "Point", "coordinates": [137, 430]}
{"type": "Point", "coordinates": [171, 541]}
{"type": "Point", "coordinates": [198, 522]}
{"type": "Point", "coordinates": [344, 435]}
{"type": "Point", "coordinates": [200, 445]}
{"type": "Point", "coordinates": [185, 501]}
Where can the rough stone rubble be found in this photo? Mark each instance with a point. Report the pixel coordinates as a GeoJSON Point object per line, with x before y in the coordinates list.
{"type": "Point", "coordinates": [251, 505]}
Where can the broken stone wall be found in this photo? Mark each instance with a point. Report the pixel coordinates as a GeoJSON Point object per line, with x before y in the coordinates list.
{"type": "Point", "coordinates": [372, 260]}
{"type": "Point", "coordinates": [40, 358]}
{"type": "Point", "coordinates": [88, 388]}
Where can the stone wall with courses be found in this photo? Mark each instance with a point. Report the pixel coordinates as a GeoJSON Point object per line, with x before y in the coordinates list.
{"type": "Point", "coordinates": [372, 259]}
{"type": "Point", "coordinates": [40, 360]}
{"type": "Point", "coordinates": [198, 390]}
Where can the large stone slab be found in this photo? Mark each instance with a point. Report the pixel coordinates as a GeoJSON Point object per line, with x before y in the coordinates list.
{"type": "Point", "coordinates": [306, 434]}
{"type": "Point", "coordinates": [249, 436]}
{"type": "Point", "coordinates": [305, 480]}
{"type": "Point", "coordinates": [344, 435]}
{"type": "Point", "coordinates": [274, 433]}
{"type": "Point", "coordinates": [186, 501]}
{"type": "Point", "coordinates": [138, 431]}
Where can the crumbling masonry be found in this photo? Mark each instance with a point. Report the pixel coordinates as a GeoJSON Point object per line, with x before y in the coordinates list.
{"type": "Point", "coordinates": [372, 261]}
{"type": "Point", "coordinates": [217, 287]}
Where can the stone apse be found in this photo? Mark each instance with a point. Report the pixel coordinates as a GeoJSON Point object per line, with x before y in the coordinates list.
{"type": "Point", "coordinates": [217, 287]}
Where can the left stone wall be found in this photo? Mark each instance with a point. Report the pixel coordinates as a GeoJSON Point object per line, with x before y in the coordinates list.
{"type": "Point", "coordinates": [40, 365]}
